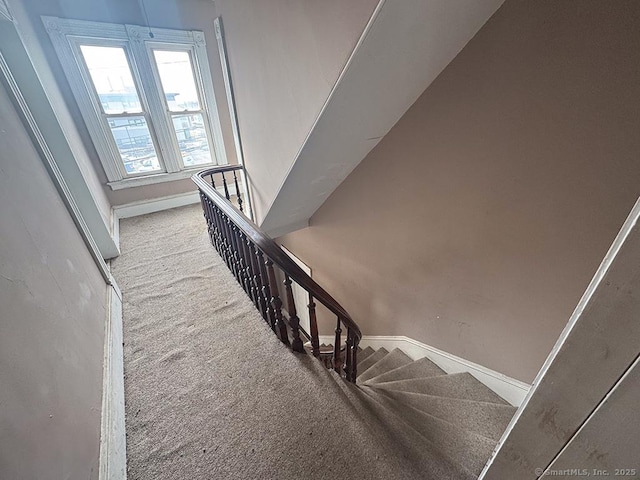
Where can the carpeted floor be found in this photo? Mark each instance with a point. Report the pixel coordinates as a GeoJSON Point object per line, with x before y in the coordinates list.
{"type": "Point", "coordinates": [212, 394]}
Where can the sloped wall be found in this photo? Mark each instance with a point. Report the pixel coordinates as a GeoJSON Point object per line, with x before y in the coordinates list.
{"type": "Point", "coordinates": [285, 57]}
{"type": "Point", "coordinates": [476, 224]}
{"type": "Point", "coordinates": [52, 318]}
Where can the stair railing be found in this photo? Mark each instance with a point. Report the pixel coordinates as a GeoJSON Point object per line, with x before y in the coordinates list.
{"type": "Point", "coordinates": [253, 256]}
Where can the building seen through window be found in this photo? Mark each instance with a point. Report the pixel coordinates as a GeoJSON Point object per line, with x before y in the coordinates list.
{"type": "Point", "coordinates": [148, 102]}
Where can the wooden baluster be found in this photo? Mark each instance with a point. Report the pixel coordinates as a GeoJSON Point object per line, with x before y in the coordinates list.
{"type": "Point", "coordinates": [276, 303]}
{"type": "Point", "coordinates": [226, 188]}
{"type": "Point", "coordinates": [205, 213]}
{"type": "Point", "coordinates": [313, 326]}
{"type": "Point", "coordinates": [241, 263]}
{"type": "Point", "coordinates": [236, 252]}
{"type": "Point", "coordinates": [246, 266]}
{"type": "Point", "coordinates": [215, 234]}
{"type": "Point", "coordinates": [253, 277]}
{"type": "Point", "coordinates": [257, 279]}
{"type": "Point", "coordinates": [354, 359]}
{"type": "Point", "coordinates": [238, 196]}
{"type": "Point", "coordinates": [266, 292]}
{"type": "Point", "coordinates": [337, 357]}
{"type": "Point", "coordinates": [259, 264]}
{"type": "Point", "coordinates": [222, 234]}
{"type": "Point", "coordinates": [213, 225]}
{"type": "Point", "coordinates": [230, 247]}
{"type": "Point", "coordinates": [223, 238]}
{"type": "Point", "coordinates": [349, 355]}
{"type": "Point", "coordinates": [217, 219]}
{"type": "Point", "coordinates": [294, 321]}
{"type": "Point", "coordinates": [237, 245]}
{"type": "Point", "coordinates": [206, 207]}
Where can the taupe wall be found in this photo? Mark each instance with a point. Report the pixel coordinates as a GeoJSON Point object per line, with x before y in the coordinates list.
{"type": "Point", "coordinates": [178, 14]}
{"type": "Point", "coordinates": [52, 318]}
{"type": "Point", "coordinates": [478, 221]}
{"type": "Point", "coordinates": [285, 57]}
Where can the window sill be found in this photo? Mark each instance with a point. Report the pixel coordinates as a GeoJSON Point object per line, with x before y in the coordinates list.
{"type": "Point", "coordinates": [156, 178]}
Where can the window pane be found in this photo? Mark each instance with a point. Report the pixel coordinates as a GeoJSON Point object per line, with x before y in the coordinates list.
{"type": "Point", "coordinates": [178, 84]}
{"type": "Point", "coordinates": [111, 76]}
{"type": "Point", "coordinates": [134, 144]}
{"type": "Point", "coordinates": [192, 139]}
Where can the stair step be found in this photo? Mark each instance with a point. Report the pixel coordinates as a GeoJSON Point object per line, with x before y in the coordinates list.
{"type": "Point", "coordinates": [372, 359]}
{"type": "Point", "coordinates": [421, 368]}
{"type": "Point", "coordinates": [457, 385]}
{"type": "Point", "coordinates": [397, 358]}
{"type": "Point", "coordinates": [487, 419]}
{"type": "Point", "coordinates": [367, 352]}
{"type": "Point", "coordinates": [464, 448]}
{"type": "Point", "coordinates": [432, 463]}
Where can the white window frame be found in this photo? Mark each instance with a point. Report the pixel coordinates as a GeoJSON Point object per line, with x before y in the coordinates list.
{"type": "Point", "coordinates": [67, 36]}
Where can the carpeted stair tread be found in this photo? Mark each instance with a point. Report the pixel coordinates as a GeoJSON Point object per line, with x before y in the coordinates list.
{"type": "Point", "coordinates": [421, 368]}
{"type": "Point", "coordinates": [429, 455]}
{"type": "Point", "coordinates": [485, 418]}
{"type": "Point", "coordinates": [395, 359]}
{"type": "Point", "coordinates": [456, 385]}
{"type": "Point", "coordinates": [367, 352]}
{"type": "Point", "coordinates": [379, 354]}
{"type": "Point", "coordinates": [464, 448]}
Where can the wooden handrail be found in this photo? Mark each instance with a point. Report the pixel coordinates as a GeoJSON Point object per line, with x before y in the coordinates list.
{"type": "Point", "coordinates": [244, 246]}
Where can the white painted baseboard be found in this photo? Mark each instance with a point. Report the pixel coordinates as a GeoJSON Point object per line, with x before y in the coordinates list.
{"type": "Point", "coordinates": [148, 206]}
{"type": "Point", "coordinates": [155, 205]}
{"type": "Point", "coordinates": [512, 390]}
{"type": "Point", "coordinates": [143, 207]}
{"type": "Point", "coordinates": [113, 443]}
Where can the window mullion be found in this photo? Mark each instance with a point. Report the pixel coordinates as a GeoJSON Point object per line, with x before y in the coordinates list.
{"type": "Point", "coordinates": [155, 103]}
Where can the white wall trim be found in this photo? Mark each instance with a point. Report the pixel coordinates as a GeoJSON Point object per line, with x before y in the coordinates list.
{"type": "Point", "coordinates": [155, 205]}
{"type": "Point", "coordinates": [115, 228]}
{"type": "Point", "coordinates": [512, 390]}
{"type": "Point", "coordinates": [144, 207]}
{"type": "Point", "coordinates": [157, 178]}
{"type": "Point", "coordinates": [113, 441]}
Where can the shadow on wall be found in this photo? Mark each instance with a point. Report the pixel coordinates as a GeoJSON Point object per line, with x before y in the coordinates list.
{"type": "Point", "coordinates": [477, 222]}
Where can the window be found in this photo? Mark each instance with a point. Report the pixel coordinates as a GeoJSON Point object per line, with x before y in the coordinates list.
{"type": "Point", "coordinates": [148, 102]}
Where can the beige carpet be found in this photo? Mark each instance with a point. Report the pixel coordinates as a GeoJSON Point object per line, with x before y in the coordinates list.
{"type": "Point", "coordinates": [211, 393]}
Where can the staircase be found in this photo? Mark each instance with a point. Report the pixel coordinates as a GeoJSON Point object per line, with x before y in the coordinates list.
{"type": "Point", "coordinates": [445, 422]}
{"type": "Point", "coordinates": [454, 414]}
